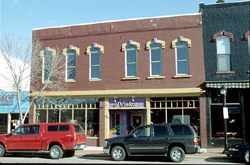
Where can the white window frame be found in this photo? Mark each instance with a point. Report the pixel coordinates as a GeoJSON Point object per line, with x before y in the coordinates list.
{"type": "Point", "coordinates": [90, 66]}
{"type": "Point", "coordinates": [150, 55]}
{"type": "Point", "coordinates": [227, 53]}
{"type": "Point", "coordinates": [126, 63]}
{"type": "Point", "coordinates": [66, 69]}
{"type": "Point", "coordinates": [176, 60]}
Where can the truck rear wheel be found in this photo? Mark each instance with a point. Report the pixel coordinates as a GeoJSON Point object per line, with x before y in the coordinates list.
{"type": "Point", "coordinates": [2, 150]}
{"type": "Point", "coordinates": [56, 152]}
{"type": "Point", "coordinates": [176, 154]}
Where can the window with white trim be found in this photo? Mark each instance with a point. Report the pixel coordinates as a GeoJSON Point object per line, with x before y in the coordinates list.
{"type": "Point", "coordinates": [181, 57]}
{"type": "Point", "coordinates": [47, 65]}
{"type": "Point", "coordinates": [71, 64]}
{"type": "Point", "coordinates": [131, 61]}
{"type": "Point", "coordinates": [155, 59]}
{"type": "Point", "coordinates": [223, 53]}
{"type": "Point", "coordinates": [95, 63]}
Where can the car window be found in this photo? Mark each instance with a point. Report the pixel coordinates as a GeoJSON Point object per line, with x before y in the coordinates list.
{"type": "Point", "coordinates": [160, 131]}
{"type": "Point", "coordinates": [33, 130]}
{"type": "Point", "coordinates": [142, 132]}
{"type": "Point", "coordinates": [181, 130]}
{"type": "Point", "coordinates": [53, 128]}
{"type": "Point", "coordinates": [78, 129]}
{"type": "Point", "coordinates": [21, 130]}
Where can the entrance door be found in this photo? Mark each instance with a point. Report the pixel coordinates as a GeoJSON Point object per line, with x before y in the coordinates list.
{"type": "Point", "coordinates": [137, 120]}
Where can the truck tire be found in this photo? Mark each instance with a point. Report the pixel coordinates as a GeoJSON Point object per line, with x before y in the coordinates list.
{"type": "Point", "coordinates": [55, 152]}
{"type": "Point", "coordinates": [176, 154]}
{"type": "Point", "coordinates": [246, 156]}
{"type": "Point", "coordinates": [2, 150]}
{"type": "Point", "coordinates": [118, 153]}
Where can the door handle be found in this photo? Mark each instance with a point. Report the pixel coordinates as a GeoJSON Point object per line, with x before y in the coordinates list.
{"type": "Point", "coordinates": [167, 138]}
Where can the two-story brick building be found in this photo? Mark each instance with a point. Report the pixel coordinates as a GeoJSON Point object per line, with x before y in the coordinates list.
{"type": "Point", "coordinates": [126, 73]}
{"type": "Point", "coordinates": [227, 55]}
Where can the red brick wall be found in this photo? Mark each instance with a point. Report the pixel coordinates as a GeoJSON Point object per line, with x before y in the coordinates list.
{"type": "Point", "coordinates": [113, 34]}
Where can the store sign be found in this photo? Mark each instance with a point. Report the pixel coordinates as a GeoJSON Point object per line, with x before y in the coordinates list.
{"type": "Point", "coordinates": [127, 103]}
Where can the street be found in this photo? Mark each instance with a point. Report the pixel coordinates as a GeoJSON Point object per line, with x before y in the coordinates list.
{"type": "Point", "coordinates": [213, 156]}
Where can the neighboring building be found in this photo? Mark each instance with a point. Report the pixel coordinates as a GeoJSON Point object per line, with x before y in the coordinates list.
{"type": "Point", "coordinates": [122, 74]}
{"type": "Point", "coordinates": [227, 61]}
{"type": "Point", "coordinates": [9, 111]}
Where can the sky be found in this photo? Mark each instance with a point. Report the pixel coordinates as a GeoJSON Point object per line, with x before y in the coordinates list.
{"type": "Point", "coordinates": [21, 16]}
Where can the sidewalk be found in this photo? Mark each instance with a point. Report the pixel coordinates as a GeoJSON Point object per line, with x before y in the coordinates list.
{"type": "Point", "coordinates": [208, 152]}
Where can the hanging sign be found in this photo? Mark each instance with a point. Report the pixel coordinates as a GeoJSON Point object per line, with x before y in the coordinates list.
{"type": "Point", "coordinates": [225, 113]}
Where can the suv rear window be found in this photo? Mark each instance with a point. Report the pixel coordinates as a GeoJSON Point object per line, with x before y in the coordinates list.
{"type": "Point", "coordinates": [53, 128]}
{"type": "Point", "coordinates": [181, 130]}
{"type": "Point", "coordinates": [78, 129]}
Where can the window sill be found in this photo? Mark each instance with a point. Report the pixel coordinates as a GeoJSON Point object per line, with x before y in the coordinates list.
{"type": "Point", "coordinates": [130, 78]}
{"type": "Point", "coordinates": [155, 77]}
{"type": "Point", "coordinates": [46, 82]}
{"type": "Point", "coordinates": [182, 76]}
{"type": "Point", "coordinates": [94, 79]}
{"type": "Point", "coordinates": [229, 72]}
{"type": "Point", "coordinates": [70, 81]}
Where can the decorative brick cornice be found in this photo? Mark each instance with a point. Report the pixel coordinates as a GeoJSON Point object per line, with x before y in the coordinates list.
{"type": "Point", "coordinates": [223, 33]}
{"type": "Point", "coordinates": [246, 35]}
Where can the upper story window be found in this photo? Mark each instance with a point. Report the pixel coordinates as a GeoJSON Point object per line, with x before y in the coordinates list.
{"type": "Point", "coordinates": [71, 58]}
{"type": "Point", "coordinates": [223, 40]}
{"type": "Point", "coordinates": [94, 53]}
{"type": "Point", "coordinates": [181, 46]}
{"type": "Point", "coordinates": [47, 56]}
{"type": "Point", "coordinates": [155, 48]}
{"type": "Point", "coordinates": [223, 53]}
{"type": "Point", "coordinates": [130, 49]}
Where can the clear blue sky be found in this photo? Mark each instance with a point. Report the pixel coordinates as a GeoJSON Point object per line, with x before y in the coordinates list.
{"type": "Point", "coordinates": [21, 16]}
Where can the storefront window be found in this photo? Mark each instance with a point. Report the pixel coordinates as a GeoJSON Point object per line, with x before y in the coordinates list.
{"type": "Point", "coordinates": [93, 123]}
{"type": "Point", "coordinates": [41, 116]}
{"type": "Point", "coordinates": [66, 115]}
{"type": "Point", "coordinates": [79, 117]}
{"type": "Point", "coordinates": [233, 123]}
{"type": "Point", "coordinates": [158, 116]}
{"type": "Point", "coordinates": [86, 112]}
{"type": "Point", "coordinates": [53, 116]}
{"type": "Point", "coordinates": [177, 110]}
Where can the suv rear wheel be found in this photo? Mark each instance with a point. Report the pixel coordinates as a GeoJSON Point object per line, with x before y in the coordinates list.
{"type": "Point", "coordinates": [118, 153]}
{"type": "Point", "coordinates": [176, 154]}
{"type": "Point", "coordinates": [56, 152]}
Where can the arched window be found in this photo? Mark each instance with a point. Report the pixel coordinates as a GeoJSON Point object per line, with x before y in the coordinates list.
{"type": "Point", "coordinates": [71, 55]}
{"type": "Point", "coordinates": [155, 54]}
{"type": "Point", "coordinates": [223, 53]}
{"type": "Point", "coordinates": [94, 53]}
{"type": "Point", "coordinates": [130, 49]}
{"type": "Point", "coordinates": [181, 46]}
{"type": "Point", "coordinates": [47, 56]}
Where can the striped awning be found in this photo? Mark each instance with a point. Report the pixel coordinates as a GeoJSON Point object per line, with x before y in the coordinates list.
{"type": "Point", "coordinates": [228, 84]}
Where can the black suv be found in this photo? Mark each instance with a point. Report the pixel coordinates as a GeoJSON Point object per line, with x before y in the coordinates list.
{"type": "Point", "coordinates": [171, 140]}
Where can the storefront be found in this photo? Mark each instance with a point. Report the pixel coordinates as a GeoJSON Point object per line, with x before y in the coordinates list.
{"type": "Point", "coordinates": [128, 113]}
{"type": "Point", "coordinates": [118, 112]}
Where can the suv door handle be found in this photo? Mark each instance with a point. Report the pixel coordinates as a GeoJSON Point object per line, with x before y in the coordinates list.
{"type": "Point", "coordinates": [167, 138]}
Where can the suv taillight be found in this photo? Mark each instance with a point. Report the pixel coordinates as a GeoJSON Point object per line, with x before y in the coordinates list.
{"type": "Point", "coordinates": [195, 141]}
{"type": "Point", "coordinates": [73, 139]}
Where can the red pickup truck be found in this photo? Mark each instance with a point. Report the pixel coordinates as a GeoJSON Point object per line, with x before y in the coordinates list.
{"type": "Point", "coordinates": [60, 139]}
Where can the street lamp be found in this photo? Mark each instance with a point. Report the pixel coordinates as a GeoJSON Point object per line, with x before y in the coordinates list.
{"type": "Point", "coordinates": [223, 91]}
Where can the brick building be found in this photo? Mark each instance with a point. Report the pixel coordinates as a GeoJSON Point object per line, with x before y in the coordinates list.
{"type": "Point", "coordinates": [126, 73]}
{"type": "Point", "coordinates": [226, 55]}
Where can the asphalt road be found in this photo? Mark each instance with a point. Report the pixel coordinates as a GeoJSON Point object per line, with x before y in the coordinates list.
{"type": "Point", "coordinates": [97, 157]}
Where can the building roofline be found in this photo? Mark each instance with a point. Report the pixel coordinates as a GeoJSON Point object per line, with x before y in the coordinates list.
{"type": "Point", "coordinates": [225, 3]}
{"type": "Point", "coordinates": [110, 21]}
